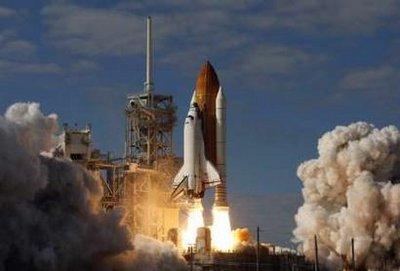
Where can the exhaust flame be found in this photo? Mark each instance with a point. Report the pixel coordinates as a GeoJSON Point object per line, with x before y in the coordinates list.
{"type": "Point", "coordinates": [195, 220]}
{"type": "Point", "coordinates": [221, 233]}
{"type": "Point", "coordinates": [242, 237]}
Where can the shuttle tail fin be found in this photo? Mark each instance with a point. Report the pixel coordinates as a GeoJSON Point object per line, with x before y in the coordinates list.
{"type": "Point", "coordinates": [179, 183]}
{"type": "Point", "coordinates": [213, 177]}
{"type": "Point", "coordinates": [179, 176]}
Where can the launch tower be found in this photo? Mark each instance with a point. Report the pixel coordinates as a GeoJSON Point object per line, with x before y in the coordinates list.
{"type": "Point", "coordinates": [150, 118]}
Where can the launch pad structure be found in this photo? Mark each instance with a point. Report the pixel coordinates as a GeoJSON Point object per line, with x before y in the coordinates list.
{"type": "Point", "coordinates": [140, 181]}
{"type": "Point", "coordinates": [150, 119]}
{"type": "Point", "coordinates": [149, 125]}
{"type": "Point", "coordinates": [141, 189]}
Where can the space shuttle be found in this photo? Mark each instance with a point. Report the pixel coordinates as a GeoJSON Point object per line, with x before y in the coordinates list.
{"type": "Point", "coordinates": [197, 173]}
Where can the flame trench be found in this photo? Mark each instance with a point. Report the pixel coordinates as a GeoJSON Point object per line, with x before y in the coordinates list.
{"type": "Point", "coordinates": [195, 220]}
{"type": "Point", "coordinates": [221, 232]}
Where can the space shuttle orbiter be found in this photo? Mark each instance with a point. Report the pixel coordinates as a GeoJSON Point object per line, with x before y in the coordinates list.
{"type": "Point", "coordinates": [197, 173]}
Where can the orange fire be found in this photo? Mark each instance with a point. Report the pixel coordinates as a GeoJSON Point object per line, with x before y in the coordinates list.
{"type": "Point", "coordinates": [222, 236]}
{"type": "Point", "coordinates": [195, 220]}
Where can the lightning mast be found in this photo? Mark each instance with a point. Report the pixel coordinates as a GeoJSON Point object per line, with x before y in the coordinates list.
{"type": "Point", "coordinates": [149, 84]}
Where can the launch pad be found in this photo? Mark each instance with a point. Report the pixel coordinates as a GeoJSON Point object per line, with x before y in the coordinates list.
{"type": "Point", "coordinates": [140, 181]}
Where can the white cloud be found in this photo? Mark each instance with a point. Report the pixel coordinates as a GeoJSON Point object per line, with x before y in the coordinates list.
{"type": "Point", "coordinates": [93, 31]}
{"type": "Point", "coordinates": [272, 59]}
{"type": "Point", "coordinates": [7, 12]}
{"type": "Point", "coordinates": [377, 78]}
{"type": "Point", "coordinates": [272, 66]}
{"type": "Point", "coordinates": [234, 33]}
{"type": "Point", "coordinates": [13, 47]}
{"type": "Point", "coordinates": [84, 65]}
{"type": "Point", "coordinates": [9, 68]}
{"type": "Point", "coordinates": [328, 17]}
{"type": "Point", "coordinates": [121, 30]}
{"type": "Point", "coordinates": [18, 56]}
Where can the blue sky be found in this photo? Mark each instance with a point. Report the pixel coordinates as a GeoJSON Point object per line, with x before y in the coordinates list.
{"type": "Point", "coordinates": [291, 70]}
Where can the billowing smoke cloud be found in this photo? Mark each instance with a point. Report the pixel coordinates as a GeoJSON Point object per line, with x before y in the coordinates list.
{"type": "Point", "coordinates": [149, 255]}
{"type": "Point", "coordinates": [351, 191]}
{"type": "Point", "coordinates": [49, 208]}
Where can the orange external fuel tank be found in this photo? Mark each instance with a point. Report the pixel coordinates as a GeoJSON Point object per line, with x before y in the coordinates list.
{"type": "Point", "coordinates": [207, 86]}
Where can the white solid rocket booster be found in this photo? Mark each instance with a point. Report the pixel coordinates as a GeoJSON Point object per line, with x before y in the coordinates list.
{"type": "Point", "coordinates": [220, 116]}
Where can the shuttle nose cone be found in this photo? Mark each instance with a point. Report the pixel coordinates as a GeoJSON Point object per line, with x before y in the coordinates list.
{"type": "Point", "coordinates": [194, 99]}
{"type": "Point", "coordinates": [207, 79]}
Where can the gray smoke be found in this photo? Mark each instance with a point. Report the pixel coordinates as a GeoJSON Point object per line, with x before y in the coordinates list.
{"type": "Point", "coordinates": [149, 255]}
{"type": "Point", "coordinates": [351, 191]}
{"type": "Point", "coordinates": [49, 207]}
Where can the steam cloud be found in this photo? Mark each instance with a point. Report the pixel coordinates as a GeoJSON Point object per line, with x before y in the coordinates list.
{"type": "Point", "coordinates": [351, 191]}
{"type": "Point", "coordinates": [49, 208]}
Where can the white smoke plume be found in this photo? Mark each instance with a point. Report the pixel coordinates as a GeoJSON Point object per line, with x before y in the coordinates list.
{"type": "Point", "coordinates": [50, 217]}
{"type": "Point", "coordinates": [351, 191]}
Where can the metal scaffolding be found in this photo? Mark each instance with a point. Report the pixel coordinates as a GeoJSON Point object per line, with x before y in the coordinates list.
{"type": "Point", "coordinates": [112, 176]}
{"type": "Point", "coordinates": [148, 197]}
{"type": "Point", "coordinates": [150, 118]}
{"type": "Point", "coordinates": [149, 128]}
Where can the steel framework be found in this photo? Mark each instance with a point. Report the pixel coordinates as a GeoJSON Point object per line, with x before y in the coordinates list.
{"type": "Point", "coordinates": [148, 197]}
{"type": "Point", "coordinates": [149, 127]}
{"type": "Point", "coordinates": [150, 120]}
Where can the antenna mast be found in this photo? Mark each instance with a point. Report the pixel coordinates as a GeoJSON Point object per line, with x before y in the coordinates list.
{"type": "Point", "coordinates": [150, 117]}
{"type": "Point", "coordinates": [149, 85]}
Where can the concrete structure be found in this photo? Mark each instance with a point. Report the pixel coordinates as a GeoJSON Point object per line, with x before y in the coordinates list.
{"type": "Point", "coordinates": [143, 191]}
{"type": "Point", "coordinates": [203, 240]}
{"type": "Point", "coordinates": [112, 176]}
{"type": "Point", "coordinates": [147, 197]}
{"type": "Point", "coordinates": [76, 144]}
{"type": "Point", "coordinates": [244, 259]}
